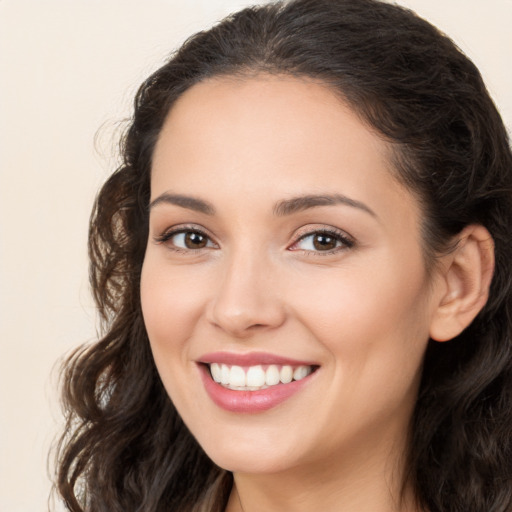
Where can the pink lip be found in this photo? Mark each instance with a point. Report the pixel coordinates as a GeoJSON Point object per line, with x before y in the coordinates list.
{"type": "Point", "coordinates": [251, 359]}
{"type": "Point", "coordinates": [249, 401]}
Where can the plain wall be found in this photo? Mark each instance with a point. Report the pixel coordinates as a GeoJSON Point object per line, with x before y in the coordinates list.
{"type": "Point", "coordinates": [68, 72]}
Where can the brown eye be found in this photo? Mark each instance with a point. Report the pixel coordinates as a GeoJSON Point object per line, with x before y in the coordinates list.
{"type": "Point", "coordinates": [324, 242]}
{"type": "Point", "coordinates": [193, 240]}
{"type": "Point", "coordinates": [186, 240]}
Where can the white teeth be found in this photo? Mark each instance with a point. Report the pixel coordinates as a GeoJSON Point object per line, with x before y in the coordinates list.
{"type": "Point", "coordinates": [272, 375]}
{"type": "Point", "coordinates": [216, 372]}
{"type": "Point", "coordinates": [301, 372]}
{"type": "Point", "coordinates": [225, 375]}
{"type": "Point", "coordinates": [286, 374]}
{"type": "Point", "coordinates": [237, 377]}
{"type": "Point", "coordinates": [255, 377]}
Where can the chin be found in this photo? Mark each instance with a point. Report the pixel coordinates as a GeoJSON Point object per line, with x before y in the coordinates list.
{"type": "Point", "coordinates": [249, 455]}
{"type": "Point", "coordinates": [250, 463]}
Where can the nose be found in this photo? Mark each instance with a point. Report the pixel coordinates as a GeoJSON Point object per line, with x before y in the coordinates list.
{"type": "Point", "coordinates": [247, 299]}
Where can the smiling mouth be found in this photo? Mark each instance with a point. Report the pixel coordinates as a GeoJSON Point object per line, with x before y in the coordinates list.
{"type": "Point", "coordinates": [255, 378]}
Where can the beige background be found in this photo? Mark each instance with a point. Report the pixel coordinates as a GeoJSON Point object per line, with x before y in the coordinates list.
{"type": "Point", "coordinates": [68, 72]}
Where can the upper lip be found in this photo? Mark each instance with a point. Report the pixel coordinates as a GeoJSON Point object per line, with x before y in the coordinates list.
{"type": "Point", "coordinates": [251, 359]}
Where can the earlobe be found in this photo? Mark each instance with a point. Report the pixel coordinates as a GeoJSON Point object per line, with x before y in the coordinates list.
{"type": "Point", "coordinates": [466, 276]}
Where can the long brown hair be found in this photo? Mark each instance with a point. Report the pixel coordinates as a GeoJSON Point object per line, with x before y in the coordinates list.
{"type": "Point", "coordinates": [126, 448]}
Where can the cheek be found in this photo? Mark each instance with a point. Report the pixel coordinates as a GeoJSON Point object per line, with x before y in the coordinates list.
{"type": "Point", "coordinates": [366, 309]}
{"type": "Point", "coordinates": [171, 303]}
{"type": "Point", "coordinates": [375, 330]}
{"type": "Point", "coordinates": [171, 306]}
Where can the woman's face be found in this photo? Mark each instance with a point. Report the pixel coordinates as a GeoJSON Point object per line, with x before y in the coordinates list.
{"type": "Point", "coordinates": [282, 248]}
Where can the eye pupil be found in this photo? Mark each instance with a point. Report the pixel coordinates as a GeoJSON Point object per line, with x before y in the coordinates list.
{"type": "Point", "coordinates": [195, 240]}
{"type": "Point", "coordinates": [324, 242]}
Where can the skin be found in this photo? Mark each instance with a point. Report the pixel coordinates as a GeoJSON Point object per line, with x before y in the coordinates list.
{"type": "Point", "coordinates": [362, 312]}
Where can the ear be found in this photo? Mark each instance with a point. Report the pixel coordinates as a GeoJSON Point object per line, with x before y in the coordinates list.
{"type": "Point", "coordinates": [465, 278]}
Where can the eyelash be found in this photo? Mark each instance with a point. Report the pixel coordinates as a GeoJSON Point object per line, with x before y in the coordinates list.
{"type": "Point", "coordinates": [168, 235]}
{"type": "Point", "coordinates": [339, 237]}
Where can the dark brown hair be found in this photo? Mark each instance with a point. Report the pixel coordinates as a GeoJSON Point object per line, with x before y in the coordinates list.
{"type": "Point", "coordinates": [126, 448]}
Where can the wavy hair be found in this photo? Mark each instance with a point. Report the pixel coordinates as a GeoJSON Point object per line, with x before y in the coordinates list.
{"type": "Point", "coordinates": [126, 448]}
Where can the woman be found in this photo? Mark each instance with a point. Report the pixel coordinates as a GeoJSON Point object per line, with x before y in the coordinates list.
{"type": "Point", "coordinates": [303, 267]}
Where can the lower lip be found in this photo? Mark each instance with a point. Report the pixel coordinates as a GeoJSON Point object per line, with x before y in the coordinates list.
{"type": "Point", "coordinates": [249, 401]}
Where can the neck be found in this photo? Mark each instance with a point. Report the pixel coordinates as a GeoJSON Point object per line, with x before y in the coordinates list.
{"type": "Point", "coordinates": [274, 493]}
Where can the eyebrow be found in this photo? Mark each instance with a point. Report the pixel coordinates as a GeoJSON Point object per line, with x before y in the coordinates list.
{"type": "Point", "coordinates": [189, 202]}
{"type": "Point", "coordinates": [281, 209]}
{"type": "Point", "coordinates": [301, 203]}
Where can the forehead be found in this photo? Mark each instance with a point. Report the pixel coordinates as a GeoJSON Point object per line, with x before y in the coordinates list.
{"type": "Point", "coordinates": [266, 109]}
{"type": "Point", "coordinates": [271, 137]}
